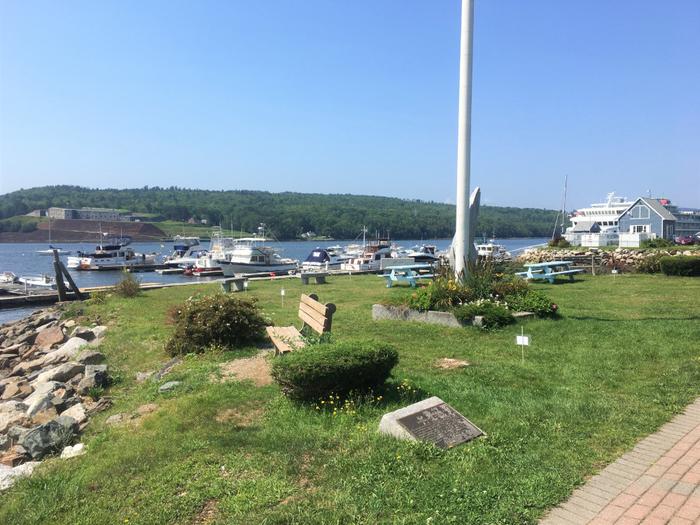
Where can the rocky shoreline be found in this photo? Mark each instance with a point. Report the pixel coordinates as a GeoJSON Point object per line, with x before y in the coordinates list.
{"type": "Point", "coordinates": [619, 258]}
{"type": "Point", "coordinates": [51, 380]}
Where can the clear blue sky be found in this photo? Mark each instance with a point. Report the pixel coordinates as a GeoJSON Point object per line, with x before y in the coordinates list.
{"type": "Point", "coordinates": [353, 97]}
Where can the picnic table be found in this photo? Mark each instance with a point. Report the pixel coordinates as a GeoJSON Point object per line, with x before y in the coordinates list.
{"type": "Point", "coordinates": [549, 270]}
{"type": "Point", "coordinates": [406, 273]}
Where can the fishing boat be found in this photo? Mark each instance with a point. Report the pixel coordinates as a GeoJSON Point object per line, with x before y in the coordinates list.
{"type": "Point", "coordinates": [112, 254]}
{"type": "Point", "coordinates": [492, 251]}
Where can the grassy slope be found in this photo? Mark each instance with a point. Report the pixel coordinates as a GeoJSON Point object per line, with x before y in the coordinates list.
{"type": "Point", "coordinates": [172, 228]}
{"type": "Point", "coordinates": [621, 361]}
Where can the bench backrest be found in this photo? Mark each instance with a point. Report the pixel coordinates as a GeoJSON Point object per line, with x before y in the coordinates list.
{"type": "Point", "coordinates": [316, 315]}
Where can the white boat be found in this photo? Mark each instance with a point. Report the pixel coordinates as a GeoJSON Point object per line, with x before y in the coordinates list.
{"type": "Point", "coordinates": [186, 251]}
{"type": "Point", "coordinates": [250, 255]}
{"type": "Point", "coordinates": [38, 281]}
{"type": "Point", "coordinates": [371, 258]}
{"type": "Point", "coordinates": [491, 251]}
{"type": "Point", "coordinates": [7, 278]}
{"type": "Point", "coordinates": [111, 255]}
{"type": "Point", "coordinates": [329, 258]}
{"type": "Point", "coordinates": [425, 253]}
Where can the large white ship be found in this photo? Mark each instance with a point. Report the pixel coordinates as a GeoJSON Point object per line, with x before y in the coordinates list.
{"type": "Point", "coordinates": [597, 225]}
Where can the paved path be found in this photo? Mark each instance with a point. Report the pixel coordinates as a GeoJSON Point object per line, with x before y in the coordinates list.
{"type": "Point", "coordinates": [657, 482]}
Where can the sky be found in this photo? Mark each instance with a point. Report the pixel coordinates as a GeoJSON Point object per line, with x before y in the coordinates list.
{"type": "Point", "coordinates": [354, 97]}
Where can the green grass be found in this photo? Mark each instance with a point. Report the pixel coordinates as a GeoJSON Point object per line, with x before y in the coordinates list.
{"type": "Point", "coordinates": [620, 362]}
{"type": "Point", "coordinates": [172, 228]}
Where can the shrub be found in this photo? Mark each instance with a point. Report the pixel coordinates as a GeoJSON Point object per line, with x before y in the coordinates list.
{"type": "Point", "coordinates": [494, 314]}
{"type": "Point", "coordinates": [656, 243]}
{"type": "Point", "coordinates": [315, 372]}
{"type": "Point", "coordinates": [559, 243]}
{"type": "Point", "coordinates": [510, 286]}
{"type": "Point", "coordinates": [649, 264]}
{"type": "Point", "coordinates": [533, 301]}
{"type": "Point", "coordinates": [680, 265]}
{"type": "Point", "coordinates": [214, 321]}
{"type": "Point", "coordinates": [480, 279]}
{"type": "Point", "coordinates": [441, 294]}
{"type": "Point", "coordinates": [129, 286]}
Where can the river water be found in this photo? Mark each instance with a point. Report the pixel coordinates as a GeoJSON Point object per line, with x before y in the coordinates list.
{"type": "Point", "coordinates": [23, 259]}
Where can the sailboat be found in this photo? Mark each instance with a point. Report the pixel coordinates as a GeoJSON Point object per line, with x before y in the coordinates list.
{"type": "Point", "coordinates": [51, 249]}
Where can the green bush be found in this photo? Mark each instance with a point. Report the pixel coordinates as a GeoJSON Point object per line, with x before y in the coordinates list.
{"type": "Point", "coordinates": [558, 243]}
{"type": "Point", "coordinates": [649, 264]}
{"type": "Point", "coordinates": [214, 321]}
{"type": "Point", "coordinates": [533, 301]}
{"type": "Point", "coordinates": [656, 243]}
{"type": "Point", "coordinates": [680, 265]}
{"type": "Point", "coordinates": [129, 286]}
{"type": "Point", "coordinates": [441, 294]}
{"type": "Point", "coordinates": [315, 372]}
{"type": "Point", "coordinates": [494, 314]}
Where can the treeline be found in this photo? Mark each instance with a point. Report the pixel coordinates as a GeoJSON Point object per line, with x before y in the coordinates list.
{"type": "Point", "coordinates": [287, 214]}
{"type": "Point", "coordinates": [18, 225]}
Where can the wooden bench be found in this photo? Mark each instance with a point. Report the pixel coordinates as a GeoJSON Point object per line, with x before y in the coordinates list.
{"type": "Point", "coordinates": [313, 314]}
{"type": "Point", "coordinates": [320, 277]}
{"type": "Point", "coordinates": [236, 284]}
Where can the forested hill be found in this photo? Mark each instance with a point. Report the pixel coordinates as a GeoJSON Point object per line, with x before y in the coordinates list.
{"type": "Point", "coordinates": [288, 214]}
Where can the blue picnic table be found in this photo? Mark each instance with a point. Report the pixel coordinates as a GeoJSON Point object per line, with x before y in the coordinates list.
{"type": "Point", "coordinates": [406, 273]}
{"type": "Point", "coordinates": [549, 270]}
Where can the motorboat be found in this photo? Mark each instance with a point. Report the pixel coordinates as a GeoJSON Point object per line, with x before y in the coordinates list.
{"type": "Point", "coordinates": [38, 281]}
{"type": "Point", "coordinates": [186, 251]}
{"type": "Point", "coordinates": [113, 254]}
{"type": "Point", "coordinates": [491, 251]}
{"type": "Point", "coordinates": [371, 258]}
{"type": "Point", "coordinates": [421, 254]}
{"type": "Point", "coordinates": [8, 278]}
{"type": "Point", "coordinates": [251, 255]}
{"type": "Point", "coordinates": [329, 258]}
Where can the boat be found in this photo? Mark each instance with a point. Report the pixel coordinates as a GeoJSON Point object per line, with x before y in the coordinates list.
{"type": "Point", "coordinates": [8, 278]}
{"type": "Point", "coordinates": [372, 258]}
{"type": "Point", "coordinates": [425, 253]}
{"type": "Point", "coordinates": [38, 281]}
{"type": "Point", "coordinates": [112, 254]}
{"type": "Point", "coordinates": [599, 220]}
{"type": "Point", "coordinates": [51, 248]}
{"type": "Point", "coordinates": [249, 255]}
{"type": "Point", "coordinates": [329, 258]}
{"type": "Point", "coordinates": [186, 251]}
{"type": "Point", "coordinates": [492, 251]}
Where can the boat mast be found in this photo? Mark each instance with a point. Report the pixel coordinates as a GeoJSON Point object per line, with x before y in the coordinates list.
{"type": "Point", "coordinates": [558, 229]}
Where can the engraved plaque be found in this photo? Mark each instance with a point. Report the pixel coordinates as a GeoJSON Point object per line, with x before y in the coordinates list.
{"type": "Point", "coordinates": [440, 424]}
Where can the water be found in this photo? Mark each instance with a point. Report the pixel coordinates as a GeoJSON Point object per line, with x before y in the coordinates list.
{"type": "Point", "coordinates": [23, 259]}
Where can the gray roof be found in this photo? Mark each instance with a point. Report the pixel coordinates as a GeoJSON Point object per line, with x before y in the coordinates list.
{"type": "Point", "coordinates": [655, 205]}
{"type": "Point", "coordinates": [586, 227]}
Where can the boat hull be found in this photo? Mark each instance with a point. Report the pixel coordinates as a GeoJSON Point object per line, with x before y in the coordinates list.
{"type": "Point", "coordinates": [245, 268]}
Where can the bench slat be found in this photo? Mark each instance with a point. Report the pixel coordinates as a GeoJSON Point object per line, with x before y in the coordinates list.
{"type": "Point", "coordinates": [312, 321]}
{"type": "Point", "coordinates": [285, 338]}
{"type": "Point", "coordinates": [313, 304]}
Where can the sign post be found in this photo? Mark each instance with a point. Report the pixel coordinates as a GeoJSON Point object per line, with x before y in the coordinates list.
{"type": "Point", "coordinates": [282, 294]}
{"type": "Point", "coordinates": [522, 340]}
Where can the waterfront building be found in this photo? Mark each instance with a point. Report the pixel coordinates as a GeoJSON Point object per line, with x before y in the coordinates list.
{"type": "Point", "coordinates": [87, 214]}
{"type": "Point", "coordinates": [645, 219]}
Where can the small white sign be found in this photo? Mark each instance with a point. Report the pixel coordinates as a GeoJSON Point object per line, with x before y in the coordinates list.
{"type": "Point", "coordinates": [282, 292]}
{"type": "Point", "coordinates": [614, 271]}
{"type": "Point", "coordinates": [522, 340]}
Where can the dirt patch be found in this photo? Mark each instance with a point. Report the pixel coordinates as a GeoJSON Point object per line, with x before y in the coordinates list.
{"type": "Point", "coordinates": [447, 363]}
{"type": "Point", "coordinates": [208, 514]}
{"type": "Point", "coordinates": [239, 417]}
{"type": "Point", "coordinates": [255, 369]}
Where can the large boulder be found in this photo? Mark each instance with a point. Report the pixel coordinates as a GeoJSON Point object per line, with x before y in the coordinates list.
{"type": "Point", "coordinates": [16, 390]}
{"type": "Point", "coordinates": [83, 332]}
{"type": "Point", "coordinates": [47, 438]}
{"type": "Point", "coordinates": [41, 397]}
{"type": "Point", "coordinates": [67, 351]}
{"type": "Point", "coordinates": [95, 377]}
{"type": "Point", "coordinates": [60, 373]}
{"type": "Point", "coordinates": [76, 412]}
{"type": "Point", "coordinates": [9, 475]}
{"type": "Point", "coordinates": [49, 337]}
{"type": "Point", "coordinates": [90, 357]}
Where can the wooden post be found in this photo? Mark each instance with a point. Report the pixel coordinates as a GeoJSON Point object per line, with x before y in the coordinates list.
{"type": "Point", "coordinates": [593, 263]}
{"type": "Point", "coordinates": [60, 286]}
{"type": "Point", "coordinates": [71, 283]}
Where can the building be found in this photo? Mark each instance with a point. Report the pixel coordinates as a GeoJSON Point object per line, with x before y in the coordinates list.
{"type": "Point", "coordinates": [687, 219]}
{"type": "Point", "coordinates": [645, 219]}
{"type": "Point", "coordinates": [87, 214]}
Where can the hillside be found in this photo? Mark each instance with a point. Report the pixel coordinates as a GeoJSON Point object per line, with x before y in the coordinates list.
{"type": "Point", "coordinates": [71, 231]}
{"type": "Point", "coordinates": [288, 214]}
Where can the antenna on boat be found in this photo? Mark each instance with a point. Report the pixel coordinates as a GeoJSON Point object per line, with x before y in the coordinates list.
{"type": "Point", "coordinates": [556, 233]}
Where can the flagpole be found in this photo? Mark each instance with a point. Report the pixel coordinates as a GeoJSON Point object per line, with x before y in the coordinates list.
{"type": "Point", "coordinates": [462, 238]}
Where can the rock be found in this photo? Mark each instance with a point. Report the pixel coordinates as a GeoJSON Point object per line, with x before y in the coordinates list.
{"type": "Point", "coordinates": [7, 360]}
{"type": "Point", "coordinates": [27, 337]}
{"type": "Point", "coordinates": [45, 415]}
{"type": "Point", "coordinates": [116, 419]}
{"type": "Point", "coordinates": [8, 476]}
{"type": "Point", "coordinates": [62, 372]}
{"type": "Point", "coordinates": [167, 368]}
{"type": "Point", "coordinates": [49, 337]}
{"type": "Point", "coordinates": [70, 323]}
{"type": "Point", "coordinates": [67, 351]}
{"type": "Point", "coordinates": [67, 423]}
{"type": "Point", "coordinates": [90, 357]}
{"type": "Point", "coordinates": [169, 386]}
{"type": "Point", "coordinates": [478, 321]}
{"type": "Point", "coordinates": [41, 390]}
{"type": "Point", "coordinates": [83, 332]}
{"type": "Point", "coordinates": [74, 451]}
{"type": "Point", "coordinates": [146, 409]}
{"type": "Point", "coordinates": [77, 412]}
{"type": "Point", "coordinates": [4, 442]}
{"type": "Point", "coordinates": [99, 331]}
{"type": "Point", "coordinates": [13, 457]}
{"type": "Point", "coordinates": [15, 432]}
{"type": "Point", "coordinates": [143, 376]}
{"type": "Point", "coordinates": [396, 313]}
{"type": "Point", "coordinates": [95, 377]}
{"type": "Point", "coordinates": [18, 390]}
{"type": "Point", "coordinates": [102, 404]}
{"type": "Point", "coordinates": [47, 438]}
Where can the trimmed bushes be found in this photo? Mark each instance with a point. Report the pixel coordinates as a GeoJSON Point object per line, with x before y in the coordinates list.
{"type": "Point", "coordinates": [684, 266]}
{"type": "Point", "coordinates": [214, 321]}
{"type": "Point", "coordinates": [315, 372]}
{"type": "Point", "coordinates": [494, 314]}
{"type": "Point", "coordinates": [532, 301]}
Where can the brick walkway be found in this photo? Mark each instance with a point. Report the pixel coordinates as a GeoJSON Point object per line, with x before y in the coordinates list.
{"type": "Point", "coordinates": [657, 482]}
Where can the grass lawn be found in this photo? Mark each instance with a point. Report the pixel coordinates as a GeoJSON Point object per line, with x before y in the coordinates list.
{"type": "Point", "coordinates": [172, 228]}
{"type": "Point", "coordinates": [621, 361]}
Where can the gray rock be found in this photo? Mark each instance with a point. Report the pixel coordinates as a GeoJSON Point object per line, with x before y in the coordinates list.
{"type": "Point", "coordinates": [62, 372]}
{"type": "Point", "coordinates": [95, 377]}
{"type": "Point", "coordinates": [83, 332]}
{"type": "Point", "coordinates": [90, 357]}
{"type": "Point", "coordinates": [143, 376]}
{"type": "Point", "coordinates": [68, 423]}
{"type": "Point", "coordinates": [15, 432]}
{"type": "Point", "coordinates": [4, 442]}
{"type": "Point", "coordinates": [8, 475]}
{"type": "Point", "coordinates": [116, 419]}
{"type": "Point", "coordinates": [47, 438]}
{"type": "Point", "coordinates": [39, 404]}
{"type": "Point", "coordinates": [169, 386]}
{"type": "Point", "coordinates": [41, 390]}
{"type": "Point", "coordinates": [74, 451]}
{"type": "Point", "coordinates": [396, 313]}
{"type": "Point", "coordinates": [99, 331]}
{"type": "Point", "coordinates": [77, 412]}
{"type": "Point", "coordinates": [167, 368]}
